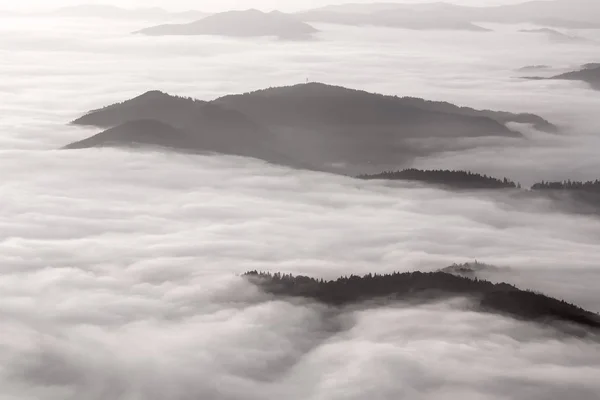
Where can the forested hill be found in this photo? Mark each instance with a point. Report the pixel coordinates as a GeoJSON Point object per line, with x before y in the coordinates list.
{"type": "Point", "coordinates": [313, 126]}
{"type": "Point", "coordinates": [582, 197]}
{"type": "Point", "coordinates": [572, 186]}
{"type": "Point", "coordinates": [418, 286]}
{"type": "Point", "coordinates": [453, 179]}
{"type": "Point", "coordinates": [589, 74]}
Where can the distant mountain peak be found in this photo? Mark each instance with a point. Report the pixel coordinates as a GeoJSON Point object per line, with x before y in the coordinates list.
{"type": "Point", "coordinates": [153, 94]}
{"type": "Point", "coordinates": [588, 73]}
{"type": "Point", "coordinates": [239, 23]}
{"type": "Point", "coordinates": [577, 14]}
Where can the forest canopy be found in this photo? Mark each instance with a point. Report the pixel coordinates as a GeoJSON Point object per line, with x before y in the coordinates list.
{"type": "Point", "coordinates": [499, 298]}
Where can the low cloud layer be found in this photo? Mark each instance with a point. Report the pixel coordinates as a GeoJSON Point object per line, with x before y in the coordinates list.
{"type": "Point", "coordinates": [119, 280]}
{"type": "Point", "coordinates": [119, 270]}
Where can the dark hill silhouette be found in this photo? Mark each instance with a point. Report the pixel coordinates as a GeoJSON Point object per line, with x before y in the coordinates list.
{"type": "Point", "coordinates": [451, 179]}
{"type": "Point", "coordinates": [313, 125]}
{"type": "Point", "coordinates": [582, 197]}
{"type": "Point", "coordinates": [573, 186]}
{"type": "Point", "coordinates": [501, 298]}
{"type": "Point", "coordinates": [567, 196]}
{"type": "Point", "coordinates": [249, 23]}
{"type": "Point", "coordinates": [590, 66]}
{"type": "Point", "coordinates": [145, 132]}
{"type": "Point", "coordinates": [501, 116]}
{"type": "Point", "coordinates": [353, 127]}
{"type": "Point", "coordinates": [347, 111]}
{"type": "Point", "coordinates": [317, 104]}
{"type": "Point", "coordinates": [150, 105]}
{"type": "Point", "coordinates": [202, 126]}
{"type": "Point", "coordinates": [590, 75]}
{"type": "Point", "coordinates": [571, 14]}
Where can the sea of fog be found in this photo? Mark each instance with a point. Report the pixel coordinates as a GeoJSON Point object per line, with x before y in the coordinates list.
{"type": "Point", "coordinates": [119, 271]}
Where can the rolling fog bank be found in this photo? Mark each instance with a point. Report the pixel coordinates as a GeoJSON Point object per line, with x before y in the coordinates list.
{"type": "Point", "coordinates": [104, 248]}
{"type": "Point", "coordinates": [119, 269]}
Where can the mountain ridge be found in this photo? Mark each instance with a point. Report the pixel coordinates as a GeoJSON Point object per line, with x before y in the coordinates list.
{"type": "Point", "coordinates": [556, 13]}
{"type": "Point", "coordinates": [330, 128]}
{"type": "Point", "coordinates": [246, 23]}
{"type": "Point", "coordinates": [423, 287]}
{"type": "Point", "coordinates": [588, 73]}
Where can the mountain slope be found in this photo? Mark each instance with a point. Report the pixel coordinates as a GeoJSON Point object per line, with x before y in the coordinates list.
{"type": "Point", "coordinates": [589, 74]}
{"type": "Point", "coordinates": [464, 180]}
{"type": "Point", "coordinates": [557, 13]}
{"type": "Point", "coordinates": [207, 126]}
{"type": "Point", "coordinates": [313, 126]}
{"type": "Point", "coordinates": [317, 105]}
{"type": "Point", "coordinates": [145, 132]}
{"type": "Point", "coordinates": [249, 23]}
{"type": "Point", "coordinates": [500, 298]}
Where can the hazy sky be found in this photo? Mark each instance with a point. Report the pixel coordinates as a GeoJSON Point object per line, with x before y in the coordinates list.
{"type": "Point", "coordinates": [217, 5]}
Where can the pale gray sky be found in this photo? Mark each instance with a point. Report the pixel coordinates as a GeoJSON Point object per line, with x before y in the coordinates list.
{"type": "Point", "coordinates": [220, 5]}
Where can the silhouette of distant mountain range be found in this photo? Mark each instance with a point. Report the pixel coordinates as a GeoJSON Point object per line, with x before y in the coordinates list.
{"type": "Point", "coordinates": [583, 197]}
{"type": "Point", "coordinates": [570, 196]}
{"type": "Point", "coordinates": [555, 35]}
{"type": "Point", "coordinates": [590, 66]}
{"type": "Point", "coordinates": [589, 73]}
{"type": "Point", "coordinates": [182, 124]}
{"type": "Point", "coordinates": [439, 15]}
{"type": "Point", "coordinates": [309, 125]}
{"type": "Point", "coordinates": [249, 23]}
{"type": "Point", "coordinates": [392, 17]}
{"type": "Point", "coordinates": [452, 179]}
{"type": "Point", "coordinates": [149, 132]}
{"type": "Point", "coordinates": [415, 287]}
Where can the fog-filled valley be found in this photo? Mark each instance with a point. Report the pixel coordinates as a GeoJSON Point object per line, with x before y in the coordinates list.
{"type": "Point", "coordinates": [121, 268]}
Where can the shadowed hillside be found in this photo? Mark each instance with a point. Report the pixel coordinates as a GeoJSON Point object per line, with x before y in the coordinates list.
{"type": "Point", "coordinates": [134, 133]}
{"type": "Point", "coordinates": [317, 104]}
{"type": "Point", "coordinates": [181, 124]}
{"type": "Point", "coordinates": [417, 286]}
{"type": "Point", "coordinates": [589, 73]}
{"type": "Point", "coordinates": [581, 196]}
{"type": "Point", "coordinates": [314, 126]}
{"type": "Point", "coordinates": [452, 179]}
{"type": "Point", "coordinates": [573, 186]}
